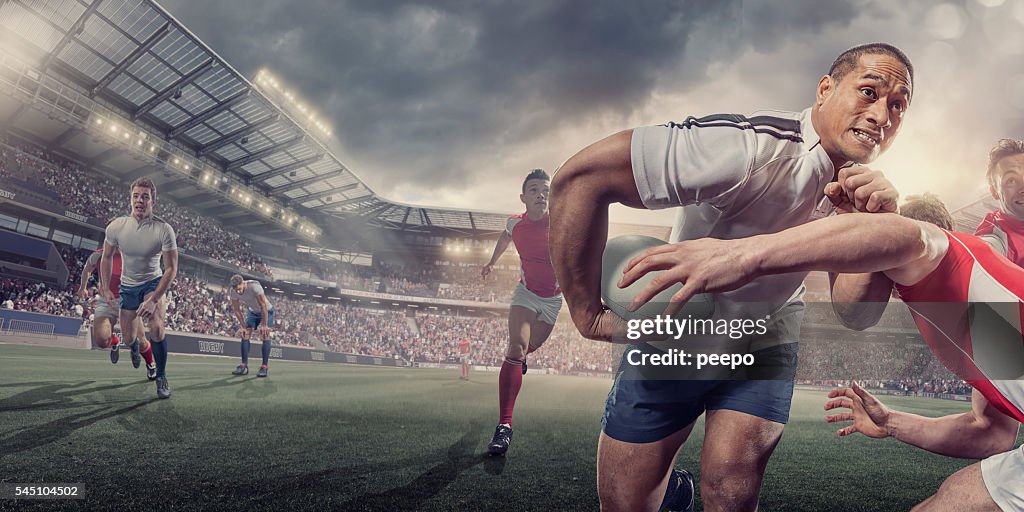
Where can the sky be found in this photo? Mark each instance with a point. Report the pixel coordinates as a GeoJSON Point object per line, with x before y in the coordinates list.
{"type": "Point", "coordinates": [451, 103]}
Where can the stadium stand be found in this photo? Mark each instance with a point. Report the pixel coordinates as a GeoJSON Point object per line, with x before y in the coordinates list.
{"type": "Point", "coordinates": [97, 196]}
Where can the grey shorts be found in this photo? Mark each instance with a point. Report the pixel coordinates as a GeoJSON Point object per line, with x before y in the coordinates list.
{"type": "Point", "coordinates": [108, 309]}
{"type": "Point", "coordinates": [547, 308]}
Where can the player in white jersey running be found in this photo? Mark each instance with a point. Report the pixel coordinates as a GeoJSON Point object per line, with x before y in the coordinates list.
{"type": "Point", "coordinates": [144, 241]}
{"type": "Point", "coordinates": [260, 315]}
{"type": "Point", "coordinates": [967, 301]}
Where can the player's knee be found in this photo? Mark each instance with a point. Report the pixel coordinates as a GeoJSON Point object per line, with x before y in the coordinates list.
{"type": "Point", "coordinates": [102, 342]}
{"type": "Point", "coordinates": [955, 485]}
{"type": "Point", "coordinates": [612, 499]}
{"type": "Point", "coordinates": [615, 497]}
{"type": "Point", "coordinates": [729, 490]}
{"type": "Point", "coordinates": [515, 351]}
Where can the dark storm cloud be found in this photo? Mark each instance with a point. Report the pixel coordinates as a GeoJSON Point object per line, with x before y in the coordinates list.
{"type": "Point", "coordinates": [416, 91]}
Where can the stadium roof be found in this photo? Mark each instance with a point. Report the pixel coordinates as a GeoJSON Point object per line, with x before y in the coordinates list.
{"type": "Point", "coordinates": [134, 58]}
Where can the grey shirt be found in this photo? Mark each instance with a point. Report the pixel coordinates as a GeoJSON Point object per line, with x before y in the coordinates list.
{"type": "Point", "coordinates": [736, 177]}
{"type": "Point", "coordinates": [141, 243]}
{"type": "Point", "coordinates": [253, 289]}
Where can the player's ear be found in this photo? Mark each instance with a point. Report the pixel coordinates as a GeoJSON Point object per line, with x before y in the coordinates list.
{"type": "Point", "coordinates": [522, 198]}
{"type": "Point", "coordinates": [992, 190]}
{"type": "Point", "coordinates": [825, 88]}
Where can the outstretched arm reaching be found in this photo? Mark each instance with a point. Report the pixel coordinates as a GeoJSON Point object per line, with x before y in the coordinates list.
{"type": "Point", "coordinates": [906, 250]}
{"type": "Point", "coordinates": [975, 434]}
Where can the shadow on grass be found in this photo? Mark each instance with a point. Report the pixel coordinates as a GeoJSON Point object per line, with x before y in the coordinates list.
{"type": "Point", "coordinates": [56, 395]}
{"type": "Point", "coordinates": [40, 435]}
{"type": "Point", "coordinates": [253, 388]}
{"type": "Point", "coordinates": [459, 457]}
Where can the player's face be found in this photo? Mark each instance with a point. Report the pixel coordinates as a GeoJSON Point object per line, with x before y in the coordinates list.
{"type": "Point", "coordinates": [1009, 185]}
{"type": "Point", "coordinates": [240, 288]}
{"type": "Point", "coordinates": [862, 112]}
{"type": "Point", "coordinates": [536, 196]}
{"type": "Point", "coordinates": [142, 202]}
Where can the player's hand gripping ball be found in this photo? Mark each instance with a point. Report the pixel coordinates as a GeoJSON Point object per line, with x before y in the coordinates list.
{"type": "Point", "coordinates": [617, 254]}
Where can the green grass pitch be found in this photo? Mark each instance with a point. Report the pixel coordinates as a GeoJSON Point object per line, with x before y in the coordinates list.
{"type": "Point", "coordinates": [328, 436]}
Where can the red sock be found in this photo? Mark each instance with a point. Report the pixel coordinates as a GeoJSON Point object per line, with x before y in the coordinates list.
{"type": "Point", "coordinates": [114, 341]}
{"type": "Point", "coordinates": [510, 380]}
{"type": "Point", "coordinates": [147, 353]}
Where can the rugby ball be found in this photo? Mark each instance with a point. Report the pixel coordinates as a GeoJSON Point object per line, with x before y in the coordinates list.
{"type": "Point", "coordinates": [617, 253]}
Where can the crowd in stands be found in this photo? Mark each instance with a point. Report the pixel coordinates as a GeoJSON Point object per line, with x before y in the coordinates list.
{"type": "Point", "coordinates": [465, 283]}
{"type": "Point", "coordinates": [94, 195]}
{"type": "Point", "coordinates": [444, 282]}
{"type": "Point", "coordinates": [896, 315]}
{"type": "Point", "coordinates": [195, 307]}
{"type": "Point", "coordinates": [20, 294]}
{"type": "Point", "coordinates": [890, 362]}
{"type": "Point", "coordinates": [565, 350]}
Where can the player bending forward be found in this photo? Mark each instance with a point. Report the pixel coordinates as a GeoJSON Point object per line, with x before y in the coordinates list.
{"type": "Point", "coordinates": [260, 315]}
{"type": "Point", "coordinates": [967, 301]}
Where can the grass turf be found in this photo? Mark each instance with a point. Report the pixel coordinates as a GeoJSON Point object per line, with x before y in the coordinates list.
{"type": "Point", "coordinates": [328, 436]}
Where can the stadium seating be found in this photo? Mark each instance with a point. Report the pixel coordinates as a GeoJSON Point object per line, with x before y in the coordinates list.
{"type": "Point", "coordinates": [94, 195]}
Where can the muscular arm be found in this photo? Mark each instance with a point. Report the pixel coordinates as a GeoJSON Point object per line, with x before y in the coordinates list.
{"type": "Point", "coordinates": [238, 312]}
{"type": "Point", "coordinates": [90, 267]}
{"type": "Point", "coordinates": [262, 299]}
{"type": "Point", "coordinates": [854, 244]}
{"type": "Point", "coordinates": [170, 261]}
{"type": "Point", "coordinates": [976, 434]}
{"type": "Point", "coordinates": [907, 250]}
{"type": "Point", "coordinates": [106, 267]}
{"type": "Point", "coordinates": [500, 247]}
{"type": "Point", "coordinates": [581, 191]}
{"type": "Point", "coordinates": [859, 299]}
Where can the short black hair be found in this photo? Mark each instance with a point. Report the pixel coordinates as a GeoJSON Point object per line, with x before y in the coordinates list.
{"type": "Point", "coordinates": [848, 60]}
{"type": "Point", "coordinates": [536, 174]}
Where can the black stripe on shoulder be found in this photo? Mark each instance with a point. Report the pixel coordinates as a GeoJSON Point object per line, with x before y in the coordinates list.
{"type": "Point", "coordinates": [781, 123]}
{"type": "Point", "coordinates": [779, 127]}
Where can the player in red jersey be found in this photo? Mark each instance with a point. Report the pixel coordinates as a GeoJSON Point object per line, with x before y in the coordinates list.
{"type": "Point", "coordinates": [464, 358]}
{"type": "Point", "coordinates": [535, 303]}
{"type": "Point", "coordinates": [105, 317]}
{"type": "Point", "coordinates": [967, 301]}
{"type": "Point", "coordinates": [1003, 229]}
